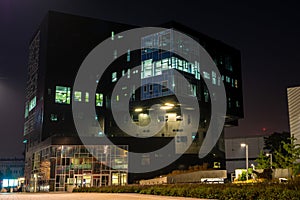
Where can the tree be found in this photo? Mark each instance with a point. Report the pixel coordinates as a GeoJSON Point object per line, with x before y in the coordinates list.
{"type": "Point", "coordinates": [273, 143]}
{"type": "Point", "coordinates": [289, 160]}
{"type": "Point", "coordinates": [263, 161]}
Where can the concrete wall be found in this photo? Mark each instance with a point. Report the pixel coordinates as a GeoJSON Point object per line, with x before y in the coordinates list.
{"type": "Point", "coordinates": [192, 177]}
{"type": "Point", "coordinates": [235, 151]}
{"type": "Point", "coordinates": [238, 164]}
{"type": "Point", "coordinates": [281, 173]}
{"type": "Point", "coordinates": [155, 181]}
{"type": "Point", "coordinates": [236, 155]}
{"type": "Point", "coordinates": [197, 176]}
{"type": "Point", "coordinates": [278, 173]}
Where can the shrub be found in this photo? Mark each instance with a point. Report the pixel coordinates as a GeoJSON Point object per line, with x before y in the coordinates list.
{"type": "Point", "coordinates": [260, 191]}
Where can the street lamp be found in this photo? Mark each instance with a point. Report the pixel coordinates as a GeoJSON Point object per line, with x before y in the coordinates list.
{"type": "Point", "coordinates": [269, 154]}
{"type": "Point", "coordinates": [246, 145]}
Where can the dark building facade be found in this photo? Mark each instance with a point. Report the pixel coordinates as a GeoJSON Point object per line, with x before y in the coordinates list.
{"type": "Point", "coordinates": [11, 168]}
{"type": "Point", "coordinates": [55, 155]}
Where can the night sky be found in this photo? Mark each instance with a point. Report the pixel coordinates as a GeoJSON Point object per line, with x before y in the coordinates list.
{"type": "Point", "coordinates": [266, 32]}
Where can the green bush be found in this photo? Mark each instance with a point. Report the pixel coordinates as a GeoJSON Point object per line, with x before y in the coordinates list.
{"type": "Point", "coordinates": [259, 191]}
{"type": "Point", "coordinates": [243, 176]}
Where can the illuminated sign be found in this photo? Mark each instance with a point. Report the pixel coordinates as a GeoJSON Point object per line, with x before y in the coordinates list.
{"type": "Point", "coordinates": [10, 182]}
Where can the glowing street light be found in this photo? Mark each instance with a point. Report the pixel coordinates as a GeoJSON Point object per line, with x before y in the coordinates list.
{"type": "Point", "coordinates": [167, 106]}
{"type": "Point", "coordinates": [246, 145]}
{"type": "Point", "coordinates": [243, 145]}
{"type": "Point", "coordinates": [138, 110]}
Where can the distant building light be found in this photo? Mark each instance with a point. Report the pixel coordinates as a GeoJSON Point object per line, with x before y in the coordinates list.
{"type": "Point", "coordinates": [138, 110]}
{"type": "Point", "coordinates": [166, 107]}
{"type": "Point", "coordinates": [169, 104]}
{"type": "Point", "coordinates": [189, 108]}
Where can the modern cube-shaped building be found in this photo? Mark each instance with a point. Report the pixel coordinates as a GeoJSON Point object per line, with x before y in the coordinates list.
{"type": "Point", "coordinates": [55, 154]}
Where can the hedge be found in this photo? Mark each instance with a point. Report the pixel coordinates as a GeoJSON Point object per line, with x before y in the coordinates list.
{"type": "Point", "coordinates": [261, 191]}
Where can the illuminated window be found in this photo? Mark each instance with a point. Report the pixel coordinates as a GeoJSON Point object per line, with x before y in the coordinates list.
{"type": "Point", "coordinates": [236, 83]}
{"type": "Point", "coordinates": [219, 81]}
{"type": "Point", "coordinates": [206, 75]}
{"type": "Point", "coordinates": [196, 70]}
{"type": "Point", "coordinates": [237, 103]}
{"type": "Point", "coordinates": [5, 183]}
{"type": "Point", "coordinates": [214, 77]}
{"type": "Point", "coordinates": [158, 70]}
{"type": "Point", "coordinates": [26, 110]}
{"type": "Point", "coordinates": [115, 179]}
{"type": "Point", "coordinates": [123, 72]}
{"type": "Point", "coordinates": [194, 135]}
{"type": "Point", "coordinates": [99, 99]}
{"type": "Point", "coordinates": [180, 64]}
{"type": "Point", "coordinates": [165, 64]}
{"type": "Point", "coordinates": [128, 73]}
{"type": "Point", "coordinates": [63, 95]}
{"type": "Point", "coordinates": [77, 96]}
{"type": "Point", "coordinates": [112, 35]}
{"type": "Point", "coordinates": [133, 93]}
{"type": "Point", "coordinates": [193, 90]}
{"type": "Point", "coordinates": [227, 79]}
{"type": "Point", "coordinates": [128, 55]}
{"type": "Point", "coordinates": [155, 68]}
{"type": "Point", "coordinates": [53, 117]}
{"type": "Point", "coordinates": [114, 77]}
{"type": "Point", "coordinates": [147, 67]}
{"type": "Point", "coordinates": [228, 63]}
{"type": "Point", "coordinates": [206, 95]}
{"type": "Point", "coordinates": [87, 97]}
{"type": "Point", "coordinates": [221, 60]}
{"type": "Point", "coordinates": [115, 54]}
{"type": "Point", "coordinates": [32, 104]}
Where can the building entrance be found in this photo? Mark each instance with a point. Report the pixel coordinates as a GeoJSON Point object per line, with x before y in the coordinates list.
{"type": "Point", "coordinates": [83, 180]}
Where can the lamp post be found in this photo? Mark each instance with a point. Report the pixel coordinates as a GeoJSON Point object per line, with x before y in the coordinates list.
{"type": "Point", "coordinates": [269, 154]}
{"type": "Point", "coordinates": [246, 145]}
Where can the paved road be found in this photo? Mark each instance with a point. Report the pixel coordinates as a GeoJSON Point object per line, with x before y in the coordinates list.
{"type": "Point", "coordinates": [89, 196]}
